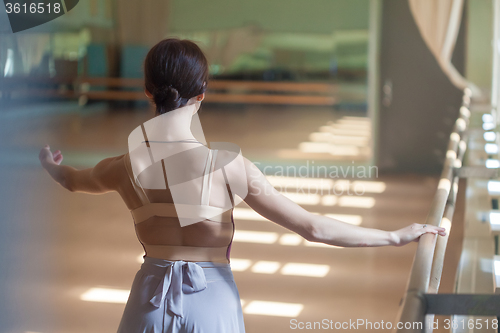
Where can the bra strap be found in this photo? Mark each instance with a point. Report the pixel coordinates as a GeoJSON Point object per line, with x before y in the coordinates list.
{"type": "Point", "coordinates": [147, 143]}
{"type": "Point", "coordinates": [141, 194]}
{"type": "Point", "coordinates": [164, 173]}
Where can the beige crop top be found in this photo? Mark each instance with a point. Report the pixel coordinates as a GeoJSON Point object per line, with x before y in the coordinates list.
{"type": "Point", "coordinates": [160, 233]}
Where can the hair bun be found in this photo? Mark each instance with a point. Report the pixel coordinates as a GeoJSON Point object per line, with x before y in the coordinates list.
{"type": "Point", "coordinates": [167, 97]}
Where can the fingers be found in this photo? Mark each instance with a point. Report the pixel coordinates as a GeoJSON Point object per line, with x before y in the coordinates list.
{"type": "Point", "coordinates": [45, 149]}
{"type": "Point", "coordinates": [413, 232]}
{"type": "Point", "coordinates": [46, 156]}
{"type": "Point", "coordinates": [433, 230]}
{"type": "Point", "coordinates": [57, 156]}
{"type": "Point", "coordinates": [441, 231]}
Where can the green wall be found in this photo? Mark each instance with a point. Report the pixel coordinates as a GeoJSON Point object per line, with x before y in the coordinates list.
{"type": "Point", "coordinates": [305, 16]}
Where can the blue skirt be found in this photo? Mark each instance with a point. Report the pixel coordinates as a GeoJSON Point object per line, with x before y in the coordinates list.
{"type": "Point", "coordinates": [181, 297]}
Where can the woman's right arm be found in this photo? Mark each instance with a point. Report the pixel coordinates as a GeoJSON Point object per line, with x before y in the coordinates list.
{"type": "Point", "coordinates": [97, 180]}
{"type": "Point", "coordinates": [268, 202]}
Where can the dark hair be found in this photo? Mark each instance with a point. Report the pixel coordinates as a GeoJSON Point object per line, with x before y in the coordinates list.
{"type": "Point", "coordinates": [175, 70]}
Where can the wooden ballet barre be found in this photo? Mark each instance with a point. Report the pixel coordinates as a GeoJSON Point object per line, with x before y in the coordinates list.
{"type": "Point", "coordinates": [116, 95]}
{"type": "Point", "coordinates": [222, 85]}
{"type": "Point", "coordinates": [270, 99]}
{"type": "Point", "coordinates": [221, 91]}
{"type": "Point", "coordinates": [318, 88]}
{"type": "Point", "coordinates": [446, 222]}
{"type": "Point", "coordinates": [6, 82]}
{"type": "Point", "coordinates": [38, 86]}
{"type": "Point", "coordinates": [426, 270]}
{"type": "Point", "coordinates": [110, 82]}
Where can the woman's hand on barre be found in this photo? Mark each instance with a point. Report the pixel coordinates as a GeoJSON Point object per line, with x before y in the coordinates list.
{"type": "Point", "coordinates": [413, 232]}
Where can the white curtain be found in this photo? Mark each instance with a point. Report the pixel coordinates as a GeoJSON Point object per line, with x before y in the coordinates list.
{"type": "Point", "coordinates": [438, 22]}
{"type": "Point", "coordinates": [32, 47]}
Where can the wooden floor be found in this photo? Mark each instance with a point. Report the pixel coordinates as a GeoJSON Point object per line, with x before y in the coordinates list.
{"type": "Point", "coordinates": [56, 245]}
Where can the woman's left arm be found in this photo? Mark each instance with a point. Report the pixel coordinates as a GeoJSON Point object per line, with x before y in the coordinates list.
{"type": "Point", "coordinates": [96, 180]}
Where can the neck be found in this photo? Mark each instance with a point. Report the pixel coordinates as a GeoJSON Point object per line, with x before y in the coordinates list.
{"type": "Point", "coordinates": [172, 126]}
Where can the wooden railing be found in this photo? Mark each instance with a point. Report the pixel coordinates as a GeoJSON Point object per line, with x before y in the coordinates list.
{"type": "Point", "coordinates": [421, 296]}
{"type": "Point", "coordinates": [219, 91]}
{"type": "Point", "coordinates": [63, 87]}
